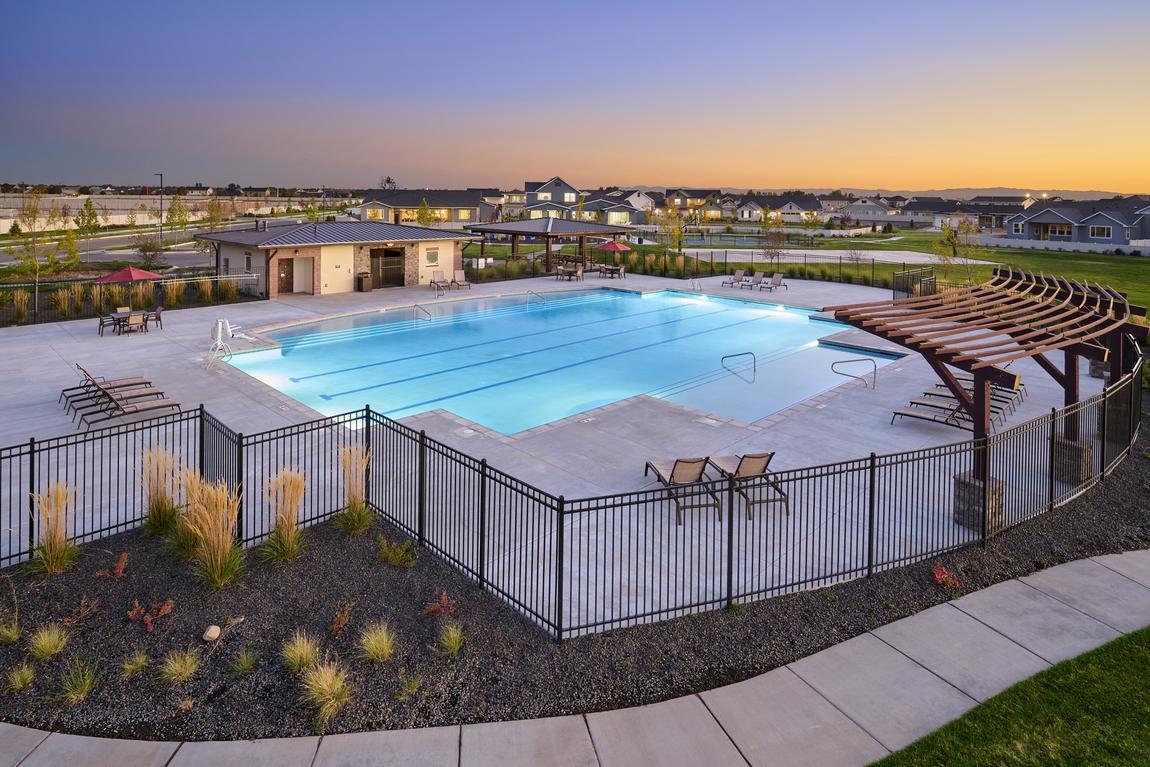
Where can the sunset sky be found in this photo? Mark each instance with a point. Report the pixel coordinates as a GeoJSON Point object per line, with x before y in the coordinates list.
{"type": "Point", "coordinates": [901, 95]}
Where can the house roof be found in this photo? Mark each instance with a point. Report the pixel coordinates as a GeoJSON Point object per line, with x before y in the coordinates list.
{"type": "Point", "coordinates": [549, 227]}
{"type": "Point", "coordinates": [533, 186]}
{"type": "Point", "coordinates": [331, 233]}
{"type": "Point", "coordinates": [1124, 211]}
{"type": "Point", "coordinates": [930, 205]}
{"type": "Point", "coordinates": [983, 199]}
{"type": "Point", "coordinates": [436, 198]}
{"type": "Point", "coordinates": [694, 193]}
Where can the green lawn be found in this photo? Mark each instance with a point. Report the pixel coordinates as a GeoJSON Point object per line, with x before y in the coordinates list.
{"type": "Point", "coordinates": [1092, 710]}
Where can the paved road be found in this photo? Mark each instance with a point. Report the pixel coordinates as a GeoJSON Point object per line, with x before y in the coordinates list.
{"type": "Point", "coordinates": [178, 255]}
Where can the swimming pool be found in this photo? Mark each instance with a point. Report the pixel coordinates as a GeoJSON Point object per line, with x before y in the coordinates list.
{"type": "Point", "coordinates": [516, 362]}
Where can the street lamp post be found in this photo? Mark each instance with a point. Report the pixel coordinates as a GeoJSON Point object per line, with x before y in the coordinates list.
{"type": "Point", "coordinates": [161, 175]}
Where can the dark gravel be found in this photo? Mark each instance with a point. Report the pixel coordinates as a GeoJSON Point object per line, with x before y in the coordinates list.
{"type": "Point", "coordinates": [507, 670]}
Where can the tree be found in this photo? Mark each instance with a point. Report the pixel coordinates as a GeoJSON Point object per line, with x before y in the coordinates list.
{"type": "Point", "coordinates": [673, 226]}
{"type": "Point", "coordinates": [131, 217]}
{"type": "Point", "coordinates": [214, 218]}
{"type": "Point", "coordinates": [84, 190]}
{"type": "Point", "coordinates": [959, 246]}
{"type": "Point", "coordinates": [387, 182]}
{"type": "Point", "coordinates": [424, 216]}
{"type": "Point", "coordinates": [812, 221]}
{"type": "Point", "coordinates": [310, 210]}
{"type": "Point", "coordinates": [149, 247]}
{"type": "Point", "coordinates": [15, 229]}
{"type": "Point", "coordinates": [39, 255]}
{"type": "Point", "coordinates": [87, 223]}
{"type": "Point", "coordinates": [177, 214]}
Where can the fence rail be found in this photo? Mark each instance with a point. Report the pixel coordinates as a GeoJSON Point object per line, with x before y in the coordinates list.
{"type": "Point", "coordinates": [578, 566]}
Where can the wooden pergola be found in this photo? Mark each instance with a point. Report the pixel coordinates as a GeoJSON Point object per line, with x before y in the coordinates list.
{"type": "Point", "coordinates": [981, 329]}
{"type": "Point", "coordinates": [549, 229]}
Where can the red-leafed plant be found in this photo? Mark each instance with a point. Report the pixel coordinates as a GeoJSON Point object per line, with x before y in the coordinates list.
{"type": "Point", "coordinates": [947, 578]}
{"type": "Point", "coordinates": [442, 605]}
{"type": "Point", "coordinates": [152, 614]}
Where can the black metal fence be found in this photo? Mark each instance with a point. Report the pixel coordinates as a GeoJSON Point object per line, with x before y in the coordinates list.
{"type": "Point", "coordinates": [578, 566]}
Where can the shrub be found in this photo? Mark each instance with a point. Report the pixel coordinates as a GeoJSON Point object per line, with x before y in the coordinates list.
{"type": "Point", "coordinates": [228, 290]}
{"type": "Point", "coordinates": [133, 664]}
{"type": "Point", "coordinates": [396, 554]}
{"type": "Point", "coordinates": [211, 517]}
{"type": "Point", "coordinates": [204, 290]}
{"type": "Point", "coordinates": [244, 662]}
{"type": "Point", "coordinates": [47, 642]}
{"type": "Point", "coordinates": [54, 552]}
{"type": "Point", "coordinates": [20, 300]}
{"type": "Point", "coordinates": [377, 642]}
{"type": "Point", "coordinates": [19, 678]}
{"type": "Point", "coordinates": [285, 492]}
{"type": "Point", "coordinates": [325, 688]}
{"type": "Point", "coordinates": [160, 480]}
{"type": "Point", "coordinates": [78, 679]}
{"type": "Point", "coordinates": [179, 666]}
{"type": "Point", "coordinates": [451, 639]}
{"type": "Point", "coordinates": [355, 517]}
{"type": "Point", "coordinates": [301, 651]}
{"type": "Point", "coordinates": [173, 293]}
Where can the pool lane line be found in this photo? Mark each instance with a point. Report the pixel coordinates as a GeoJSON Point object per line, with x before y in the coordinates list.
{"type": "Point", "coordinates": [517, 379]}
{"type": "Point", "coordinates": [461, 347]}
{"type": "Point", "coordinates": [525, 353]}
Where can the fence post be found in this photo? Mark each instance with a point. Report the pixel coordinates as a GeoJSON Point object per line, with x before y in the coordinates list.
{"type": "Point", "coordinates": [840, 268]}
{"type": "Point", "coordinates": [240, 485]}
{"type": "Point", "coordinates": [665, 261]}
{"type": "Point", "coordinates": [1053, 429]}
{"type": "Point", "coordinates": [986, 480]}
{"type": "Point", "coordinates": [559, 570]}
{"type": "Point", "coordinates": [712, 263]}
{"type": "Point", "coordinates": [203, 433]}
{"type": "Point", "coordinates": [31, 495]}
{"type": "Point", "coordinates": [421, 524]}
{"type": "Point", "coordinates": [483, 523]}
{"type": "Point", "coordinates": [367, 452]}
{"type": "Point", "coordinates": [872, 482]}
{"type": "Point", "coordinates": [730, 541]}
{"type": "Point", "coordinates": [1102, 463]}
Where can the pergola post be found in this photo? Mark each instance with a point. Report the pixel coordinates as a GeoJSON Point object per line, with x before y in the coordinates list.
{"type": "Point", "coordinates": [1070, 393]}
{"type": "Point", "coordinates": [514, 246]}
{"type": "Point", "coordinates": [547, 255]}
{"type": "Point", "coordinates": [583, 251]}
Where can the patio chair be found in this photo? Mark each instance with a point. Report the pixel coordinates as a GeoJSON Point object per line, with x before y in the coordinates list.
{"type": "Point", "coordinates": [439, 282]}
{"type": "Point", "coordinates": [137, 323]}
{"type": "Point", "coordinates": [107, 321]}
{"type": "Point", "coordinates": [460, 280]}
{"type": "Point", "coordinates": [750, 473]}
{"type": "Point", "coordinates": [734, 279]}
{"type": "Point", "coordinates": [123, 309]}
{"type": "Point", "coordinates": [579, 274]}
{"type": "Point", "coordinates": [88, 385]}
{"type": "Point", "coordinates": [776, 282]}
{"type": "Point", "coordinates": [681, 478]}
{"type": "Point", "coordinates": [156, 316]}
{"type": "Point", "coordinates": [755, 281]}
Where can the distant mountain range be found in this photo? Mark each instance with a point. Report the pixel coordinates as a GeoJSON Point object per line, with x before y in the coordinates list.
{"type": "Point", "coordinates": [950, 193]}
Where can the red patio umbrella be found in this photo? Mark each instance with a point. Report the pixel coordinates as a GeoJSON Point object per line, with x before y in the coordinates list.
{"type": "Point", "coordinates": [129, 274]}
{"type": "Point", "coordinates": [614, 246]}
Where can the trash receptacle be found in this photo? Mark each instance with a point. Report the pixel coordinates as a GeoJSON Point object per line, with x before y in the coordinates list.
{"type": "Point", "coordinates": [363, 282]}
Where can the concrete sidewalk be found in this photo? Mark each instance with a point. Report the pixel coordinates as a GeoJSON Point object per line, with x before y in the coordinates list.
{"type": "Point", "coordinates": [847, 705]}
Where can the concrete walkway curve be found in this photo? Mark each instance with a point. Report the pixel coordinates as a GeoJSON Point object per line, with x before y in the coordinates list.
{"type": "Point", "coordinates": [847, 705]}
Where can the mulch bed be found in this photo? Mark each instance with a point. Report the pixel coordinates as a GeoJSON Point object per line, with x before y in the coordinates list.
{"type": "Point", "coordinates": [507, 669]}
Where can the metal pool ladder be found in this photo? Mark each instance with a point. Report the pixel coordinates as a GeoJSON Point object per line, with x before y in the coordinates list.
{"type": "Point", "coordinates": [874, 370]}
{"type": "Point", "coordinates": [541, 298]}
{"type": "Point", "coordinates": [420, 308]}
{"type": "Point", "coordinates": [754, 365]}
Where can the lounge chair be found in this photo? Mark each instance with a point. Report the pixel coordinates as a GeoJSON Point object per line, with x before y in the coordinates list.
{"type": "Point", "coordinates": [88, 385]}
{"type": "Point", "coordinates": [679, 477]}
{"type": "Point", "coordinates": [113, 408]}
{"type": "Point", "coordinates": [755, 281]}
{"type": "Point", "coordinates": [99, 401]}
{"type": "Point", "coordinates": [750, 473]}
{"type": "Point", "coordinates": [776, 282]}
{"type": "Point", "coordinates": [946, 419]}
{"type": "Point", "coordinates": [460, 280]}
{"type": "Point", "coordinates": [734, 279]}
{"type": "Point", "coordinates": [1003, 398]}
{"type": "Point", "coordinates": [439, 282]}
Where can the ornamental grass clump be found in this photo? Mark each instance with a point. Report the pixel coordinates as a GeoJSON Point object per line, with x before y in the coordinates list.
{"type": "Point", "coordinates": [204, 290]}
{"type": "Point", "coordinates": [377, 642]}
{"type": "Point", "coordinates": [133, 664]}
{"type": "Point", "coordinates": [179, 666]}
{"type": "Point", "coordinates": [19, 678]}
{"type": "Point", "coordinates": [285, 492]}
{"type": "Point", "coordinates": [48, 641]}
{"type": "Point", "coordinates": [244, 662]}
{"type": "Point", "coordinates": [301, 651]}
{"type": "Point", "coordinates": [78, 679]}
{"type": "Point", "coordinates": [396, 554]}
{"type": "Point", "coordinates": [326, 689]}
{"type": "Point", "coordinates": [183, 538]}
{"type": "Point", "coordinates": [143, 294]}
{"type": "Point", "coordinates": [229, 290]}
{"type": "Point", "coordinates": [117, 295]}
{"type": "Point", "coordinates": [451, 639]}
{"type": "Point", "coordinates": [211, 518]}
{"type": "Point", "coordinates": [20, 299]}
{"type": "Point", "coordinates": [355, 517]}
{"type": "Point", "coordinates": [54, 552]}
{"type": "Point", "coordinates": [160, 479]}
{"type": "Point", "coordinates": [173, 293]}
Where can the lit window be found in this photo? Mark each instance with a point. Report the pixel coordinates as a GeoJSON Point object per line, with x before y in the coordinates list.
{"type": "Point", "coordinates": [544, 195]}
{"type": "Point", "coordinates": [464, 214]}
{"type": "Point", "coordinates": [568, 197]}
{"type": "Point", "coordinates": [1101, 232]}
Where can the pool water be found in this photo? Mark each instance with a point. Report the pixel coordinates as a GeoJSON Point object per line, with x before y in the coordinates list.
{"type": "Point", "coordinates": [517, 362]}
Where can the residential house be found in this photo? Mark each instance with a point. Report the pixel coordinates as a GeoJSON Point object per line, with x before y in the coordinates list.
{"type": "Point", "coordinates": [1118, 222]}
{"type": "Point", "coordinates": [867, 210]}
{"type": "Point", "coordinates": [694, 203]}
{"type": "Point", "coordinates": [831, 203]}
{"type": "Point", "coordinates": [325, 257]}
{"type": "Point", "coordinates": [607, 208]}
{"type": "Point", "coordinates": [789, 209]}
{"type": "Point", "coordinates": [554, 190]}
{"type": "Point", "coordinates": [644, 200]}
{"type": "Point", "coordinates": [450, 208]}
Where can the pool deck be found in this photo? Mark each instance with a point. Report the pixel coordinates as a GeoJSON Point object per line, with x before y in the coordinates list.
{"type": "Point", "coordinates": [596, 452]}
